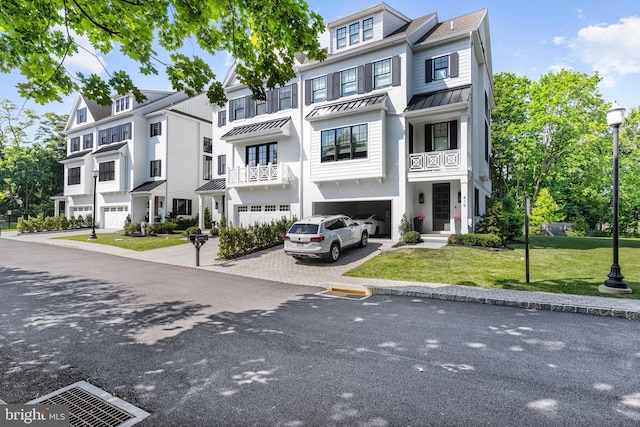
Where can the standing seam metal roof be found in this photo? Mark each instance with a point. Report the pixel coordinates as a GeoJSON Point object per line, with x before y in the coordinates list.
{"type": "Point", "coordinates": [439, 98]}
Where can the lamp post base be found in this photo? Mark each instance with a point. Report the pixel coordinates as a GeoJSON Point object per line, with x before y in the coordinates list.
{"type": "Point", "coordinates": [604, 289]}
{"type": "Point", "coordinates": [93, 234]}
{"type": "Point", "coordinates": [615, 283]}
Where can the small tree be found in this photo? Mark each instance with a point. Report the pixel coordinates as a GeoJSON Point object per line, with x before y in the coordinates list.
{"type": "Point", "coordinates": [207, 218]}
{"type": "Point", "coordinates": [502, 219]}
{"type": "Point", "coordinates": [404, 227]}
{"type": "Point", "coordinates": [545, 210]}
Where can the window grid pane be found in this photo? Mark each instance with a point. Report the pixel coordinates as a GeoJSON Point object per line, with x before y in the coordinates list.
{"type": "Point", "coordinates": [341, 37]}
{"type": "Point", "coordinates": [367, 29]}
{"type": "Point", "coordinates": [441, 68]}
{"type": "Point", "coordinates": [319, 89]}
{"type": "Point", "coordinates": [354, 33]}
{"type": "Point", "coordinates": [382, 74]}
{"type": "Point", "coordinates": [348, 80]}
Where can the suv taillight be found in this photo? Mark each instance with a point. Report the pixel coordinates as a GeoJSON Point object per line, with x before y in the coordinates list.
{"type": "Point", "coordinates": [317, 239]}
{"type": "Point", "coordinates": [287, 238]}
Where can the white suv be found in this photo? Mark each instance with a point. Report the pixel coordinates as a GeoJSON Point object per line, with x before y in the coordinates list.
{"type": "Point", "coordinates": [323, 236]}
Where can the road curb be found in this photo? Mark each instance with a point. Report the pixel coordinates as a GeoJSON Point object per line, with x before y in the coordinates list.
{"type": "Point", "coordinates": [566, 308]}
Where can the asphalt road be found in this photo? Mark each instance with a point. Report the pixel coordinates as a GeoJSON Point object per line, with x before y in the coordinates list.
{"type": "Point", "coordinates": [199, 348]}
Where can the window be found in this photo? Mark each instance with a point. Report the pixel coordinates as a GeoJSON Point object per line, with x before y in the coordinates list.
{"type": "Point", "coordinates": [207, 145]}
{"type": "Point", "coordinates": [261, 106]}
{"type": "Point", "coordinates": [114, 134]}
{"type": "Point", "coordinates": [107, 171]}
{"type": "Point", "coordinates": [285, 97]}
{"type": "Point", "coordinates": [207, 167]}
{"type": "Point", "coordinates": [486, 141]}
{"type": "Point", "coordinates": [155, 129]}
{"type": "Point", "coordinates": [441, 136]}
{"type": "Point", "coordinates": [367, 29]}
{"type": "Point", "coordinates": [270, 208]}
{"type": "Point", "coordinates": [73, 176]}
{"type": "Point", "coordinates": [441, 68]}
{"type": "Point", "coordinates": [81, 115]}
{"type": "Point", "coordinates": [222, 164]}
{"type": "Point", "coordinates": [222, 118]}
{"type": "Point", "coordinates": [262, 154]}
{"type": "Point", "coordinates": [354, 33]}
{"type": "Point", "coordinates": [341, 37]}
{"type": "Point", "coordinates": [382, 74]}
{"type": "Point", "coordinates": [182, 206]}
{"type": "Point", "coordinates": [87, 141]}
{"type": "Point", "coordinates": [348, 82]}
{"type": "Point", "coordinates": [476, 202]}
{"type": "Point", "coordinates": [155, 168]}
{"type": "Point", "coordinates": [75, 144]}
{"type": "Point", "coordinates": [122, 104]}
{"type": "Point", "coordinates": [319, 89]}
{"type": "Point", "coordinates": [237, 105]}
{"type": "Point", "coordinates": [344, 143]}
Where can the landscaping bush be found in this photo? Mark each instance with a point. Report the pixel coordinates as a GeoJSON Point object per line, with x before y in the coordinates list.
{"type": "Point", "coordinates": [483, 240]}
{"type": "Point", "coordinates": [411, 237]}
{"type": "Point", "coordinates": [191, 230]}
{"type": "Point", "coordinates": [404, 227]}
{"type": "Point", "coordinates": [214, 231]}
{"type": "Point", "coordinates": [502, 219]}
{"type": "Point", "coordinates": [131, 228]}
{"type": "Point", "coordinates": [160, 228]}
{"type": "Point", "coordinates": [207, 218]}
{"type": "Point", "coordinates": [238, 241]}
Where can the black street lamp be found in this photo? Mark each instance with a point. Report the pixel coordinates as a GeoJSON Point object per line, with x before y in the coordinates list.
{"type": "Point", "coordinates": [93, 217]}
{"type": "Point", "coordinates": [615, 283]}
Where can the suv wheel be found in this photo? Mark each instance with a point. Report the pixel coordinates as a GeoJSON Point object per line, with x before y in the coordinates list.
{"type": "Point", "coordinates": [364, 239]}
{"type": "Point", "coordinates": [334, 252]}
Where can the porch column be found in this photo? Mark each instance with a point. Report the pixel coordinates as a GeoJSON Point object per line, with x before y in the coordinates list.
{"type": "Point", "coordinates": [200, 212]}
{"type": "Point", "coordinates": [152, 208]}
{"type": "Point", "coordinates": [464, 143]}
{"type": "Point", "coordinates": [464, 206]}
{"type": "Point", "coordinates": [56, 207]}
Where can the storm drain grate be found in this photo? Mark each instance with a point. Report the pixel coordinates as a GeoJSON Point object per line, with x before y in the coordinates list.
{"type": "Point", "coordinates": [91, 406]}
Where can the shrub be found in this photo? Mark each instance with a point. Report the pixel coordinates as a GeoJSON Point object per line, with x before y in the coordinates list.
{"type": "Point", "coordinates": [404, 227]}
{"type": "Point", "coordinates": [191, 230]}
{"type": "Point", "coordinates": [184, 223]}
{"type": "Point", "coordinates": [49, 224]}
{"type": "Point", "coordinates": [484, 240]}
{"type": "Point", "coordinates": [131, 228]}
{"type": "Point", "coordinates": [502, 219]}
{"type": "Point", "coordinates": [411, 237]}
{"type": "Point", "coordinates": [207, 218]}
{"type": "Point", "coordinates": [214, 231]}
{"type": "Point", "coordinates": [160, 228]}
{"type": "Point", "coordinates": [238, 241]}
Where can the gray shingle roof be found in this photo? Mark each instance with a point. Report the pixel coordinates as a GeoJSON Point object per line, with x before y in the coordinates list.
{"type": "Point", "coordinates": [98, 112]}
{"type": "Point", "coordinates": [148, 186]}
{"type": "Point", "coordinates": [256, 127]}
{"type": "Point", "coordinates": [410, 26]}
{"type": "Point", "coordinates": [77, 155]}
{"type": "Point", "coordinates": [461, 24]}
{"type": "Point", "coordinates": [110, 147]}
{"type": "Point", "coordinates": [213, 185]}
{"type": "Point", "coordinates": [352, 104]}
{"type": "Point", "coordinates": [439, 98]}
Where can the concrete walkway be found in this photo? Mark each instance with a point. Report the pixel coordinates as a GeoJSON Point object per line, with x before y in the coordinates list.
{"type": "Point", "coordinates": [273, 264]}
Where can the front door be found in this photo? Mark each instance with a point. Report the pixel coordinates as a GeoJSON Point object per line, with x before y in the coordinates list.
{"type": "Point", "coordinates": [441, 206]}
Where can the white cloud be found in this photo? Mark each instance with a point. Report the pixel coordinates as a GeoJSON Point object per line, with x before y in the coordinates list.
{"type": "Point", "coordinates": [611, 50]}
{"type": "Point", "coordinates": [558, 40]}
{"type": "Point", "coordinates": [86, 60]}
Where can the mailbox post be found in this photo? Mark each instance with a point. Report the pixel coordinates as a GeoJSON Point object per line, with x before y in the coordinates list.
{"type": "Point", "coordinates": [198, 240]}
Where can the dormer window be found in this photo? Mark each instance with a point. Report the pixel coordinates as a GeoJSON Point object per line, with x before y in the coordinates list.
{"type": "Point", "coordinates": [123, 104]}
{"type": "Point", "coordinates": [367, 29]}
{"type": "Point", "coordinates": [341, 37]}
{"type": "Point", "coordinates": [354, 33]}
{"type": "Point", "coordinates": [81, 115]}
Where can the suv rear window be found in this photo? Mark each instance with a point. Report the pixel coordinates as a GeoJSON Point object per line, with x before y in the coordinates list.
{"type": "Point", "coordinates": [304, 229]}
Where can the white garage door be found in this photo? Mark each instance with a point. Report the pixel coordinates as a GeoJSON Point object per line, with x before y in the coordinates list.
{"type": "Point", "coordinates": [257, 214]}
{"type": "Point", "coordinates": [115, 216]}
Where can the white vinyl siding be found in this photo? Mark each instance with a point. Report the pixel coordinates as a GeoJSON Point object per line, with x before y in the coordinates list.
{"type": "Point", "coordinates": [464, 67]}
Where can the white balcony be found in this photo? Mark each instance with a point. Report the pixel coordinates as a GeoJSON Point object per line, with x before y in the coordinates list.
{"type": "Point", "coordinates": [434, 161]}
{"type": "Point", "coordinates": [259, 175]}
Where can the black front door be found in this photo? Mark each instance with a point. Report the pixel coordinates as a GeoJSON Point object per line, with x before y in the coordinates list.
{"type": "Point", "coordinates": [441, 206]}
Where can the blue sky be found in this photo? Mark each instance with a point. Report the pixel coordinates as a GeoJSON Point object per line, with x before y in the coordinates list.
{"type": "Point", "coordinates": [528, 38]}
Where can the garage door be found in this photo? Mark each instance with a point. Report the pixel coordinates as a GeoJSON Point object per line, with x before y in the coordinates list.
{"type": "Point", "coordinates": [262, 214]}
{"type": "Point", "coordinates": [115, 216]}
{"type": "Point", "coordinates": [359, 207]}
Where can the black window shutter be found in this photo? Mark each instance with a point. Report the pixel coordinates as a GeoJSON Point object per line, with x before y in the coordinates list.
{"type": "Point", "coordinates": [329, 87]}
{"type": "Point", "coordinates": [410, 138]}
{"type": "Point", "coordinates": [453, 135]}
{"type": "Point", "coordinates": [360, 79]}
{"type": "Point", "coordinates": [159, 128]}
{"type": "Point", "coordinates": [249, 107]}
{"type": "Point", "coordinates": [269, 96]}
{"type": "Point", "coordinates": [368, 77]}
{"type": "Point", "coordinates": [151, 129]}
{"type": "Point", "coordinates": [428, 66]}
{"type": "Point", "coordinates": [275, 100]}
{"type": "Point", "coordinates": [396, 77]}
{"type": "Point", "coordinates": [307, 92]}
{"type": "Point", "coordinates": [428, 140]}
{"type": "Point", "coordinates": [221, 118]}
{"type": "Point", "coordinates": [336, 85]}
{"type": "Point", "coordinates": [294, 95]}
{"type": "Point", "coordinates": [232, 110]}
{"type": "Point", "coordinates": [453, 64]}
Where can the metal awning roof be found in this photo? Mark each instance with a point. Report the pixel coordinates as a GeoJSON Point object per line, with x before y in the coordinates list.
{"type": "Point", "coordinates": [353, 105]}
{"type": "Point", "coordinates": [212, 185]}
{"type": "Point", "coordinates": [439, 98]}
{"type": "Point", "coordinates": [276, 126]}
{"type": "Point", "coordinates": [148, 186]}
{"type": "Point", "coordinates": [110, 147]}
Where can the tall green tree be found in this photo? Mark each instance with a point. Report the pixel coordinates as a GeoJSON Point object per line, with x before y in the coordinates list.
{"type": "Point", "coordinates": [37, 36]}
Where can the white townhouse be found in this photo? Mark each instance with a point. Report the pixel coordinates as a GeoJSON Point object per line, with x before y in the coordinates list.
{"type": "Point", "coordinates": [138, 158]}
{"type": "Point", "coordinates": [396, 121]}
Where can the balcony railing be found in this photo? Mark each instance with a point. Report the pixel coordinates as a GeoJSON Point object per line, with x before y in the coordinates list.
{"type": "Point", "coordinates": [259, 175]}
{"type": "Point", "coordinates": [434, 161]}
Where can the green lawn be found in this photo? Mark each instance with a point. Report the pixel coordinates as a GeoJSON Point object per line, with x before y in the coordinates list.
{"type": "Point", "coordinates": [129, 242]}
{"type": "Point", "coordinates": [568, 265]}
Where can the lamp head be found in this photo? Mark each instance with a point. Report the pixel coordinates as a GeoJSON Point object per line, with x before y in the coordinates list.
{"type": "Point", "coordinates": [95, 173]}
{"type": "Point", "coordinates": [615, 115]}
